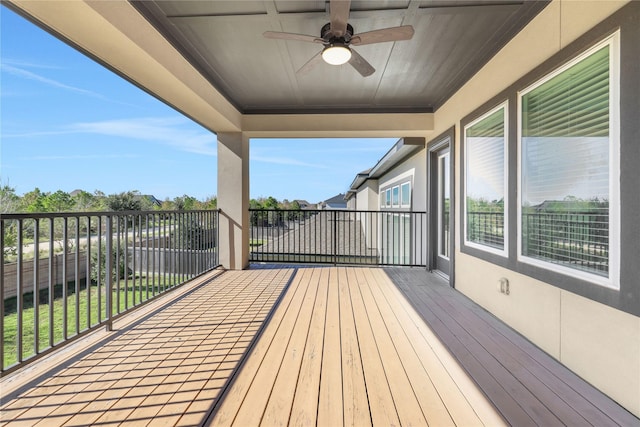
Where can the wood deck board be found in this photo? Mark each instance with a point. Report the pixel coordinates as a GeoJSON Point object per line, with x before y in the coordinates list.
{"type": "Point", "coordinates": [364, 376]}
{"type": "Point", "coordinates": [171, 362]}
{"type": "Point", "coordinates": [499, 359]}
{"type": "Point", "coordinates": [330, 406]}
{"type": "Point", "coordinates": [305, 403]}
{"type": "Point", "coordinates": [354, 391]}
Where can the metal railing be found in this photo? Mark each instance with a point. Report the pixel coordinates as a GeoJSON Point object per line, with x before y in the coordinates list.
{"type": "Point", "coordinates": [578, 240]}
{"type": "Point", "coordinates": [65, 274]}
{"type": "Point", "coordinates": [486, 228]}
{"type": "Point", "coordinates": [574, 239]}
{"type": "Point", "coordinates": [338, 237]}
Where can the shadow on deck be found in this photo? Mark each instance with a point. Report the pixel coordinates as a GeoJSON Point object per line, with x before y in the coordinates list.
{"type": "Point", "coordinates": [525, 384]}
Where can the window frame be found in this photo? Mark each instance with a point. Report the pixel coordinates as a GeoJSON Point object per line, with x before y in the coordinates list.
{"type": "Point", "coordinates": [504, 252]}
{"type": "Point", "coordinates": [613, 280]}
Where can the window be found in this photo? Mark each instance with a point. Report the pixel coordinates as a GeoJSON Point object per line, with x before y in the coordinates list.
{"type": "Point", "coordinates": [485, 203]}
{"type": "Point", "coordinates": [405, 195]}
{"type": "Point", "coordinates": [569, 174]}
{"type": "Point", "coordinates": [395, 198]}
{"type": "Point", "coordinates": [388, 197]}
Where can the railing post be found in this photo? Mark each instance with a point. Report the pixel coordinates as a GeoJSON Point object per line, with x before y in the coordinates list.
{"type": "Point", "coordinates": [335, 237]}
{"type": "Point", "coordinates": [2, 231]}
{"type": "Point", "coordinates": [108, 272]}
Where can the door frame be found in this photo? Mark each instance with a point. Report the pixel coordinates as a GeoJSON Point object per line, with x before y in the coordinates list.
{"type": "Point", "coordinates": [434, 147]}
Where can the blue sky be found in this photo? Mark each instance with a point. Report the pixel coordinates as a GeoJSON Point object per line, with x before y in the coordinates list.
{"type": "Point", "coordinates": [67, 123]}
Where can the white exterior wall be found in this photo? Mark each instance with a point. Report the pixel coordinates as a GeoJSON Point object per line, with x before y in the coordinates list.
{"type": "Point", "coordinates": [415, 169]}
{"type": "Point", "coordinates": [599, 343]}
{"type": "Point", "coordinates": [367, 196]}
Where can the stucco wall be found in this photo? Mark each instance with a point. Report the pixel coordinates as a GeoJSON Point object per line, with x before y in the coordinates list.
{"type": "Point", "coordinates": [367, 196]}
{"type": "Point", "coordinates": [598, 342]}
{"type": "Point", "coordinates": [415, 169]}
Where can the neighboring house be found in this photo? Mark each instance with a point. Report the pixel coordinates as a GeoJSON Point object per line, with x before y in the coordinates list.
{"type": "Point", "coordinates": [304, 205]}
{"type": "Point", "coordinates": [336, 202]}
{"type": "Point", "coordinates": [148, 200]}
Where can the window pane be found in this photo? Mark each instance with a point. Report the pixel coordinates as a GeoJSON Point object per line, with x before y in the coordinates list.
{"type": "Point", "coordinates": [405, 194]}
{"type": "Point", "coordinates": [565, 167]}
{"type": "Point", "coordinates": [396, 196]}
{"type": "Point", "coordinates": [443, 205]}
{"type": "Point", "coordinates": [485, 182]}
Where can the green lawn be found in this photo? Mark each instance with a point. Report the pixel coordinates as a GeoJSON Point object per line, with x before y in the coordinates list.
{"type": "Point", "coordinates": [89, 312]}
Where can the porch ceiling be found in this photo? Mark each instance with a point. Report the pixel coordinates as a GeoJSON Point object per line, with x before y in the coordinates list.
{"type": "Point", "coordinates": [209, 59]}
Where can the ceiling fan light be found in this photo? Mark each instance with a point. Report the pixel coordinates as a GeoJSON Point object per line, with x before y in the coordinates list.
{"type": "Point", "coordinates": [336, 55]}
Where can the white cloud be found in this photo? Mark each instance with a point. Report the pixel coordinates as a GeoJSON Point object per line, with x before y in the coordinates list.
{"type": "Point", "coordinates": [286, 161]}
{"type": "Point", "coordinates": [172, 131]}
{"type": "Point", "coordinates": [84, 157]}
{"type": "Point", "coordinates": [20, 72]}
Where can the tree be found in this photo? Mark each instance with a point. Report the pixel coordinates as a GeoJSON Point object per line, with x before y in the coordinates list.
{"type": "Point", "coordinates": [210, 202]}
{"type": "Point", "coordinates": [33, 201]}
{"type": "Point", "coordinates": [84, 201]}
{"type": "Point", "coordinates": [57, 202]}
{"type": "Point", "coordinates": [185, 203]}
{"type": "Point", "coordinates": [9, 202]}
{"type": "Point", "coordinates": [126, 201]}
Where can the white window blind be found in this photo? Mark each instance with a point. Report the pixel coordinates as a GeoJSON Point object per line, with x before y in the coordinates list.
{"type": "Point", "coordinates": [565, 167]}
{"type": "Point", "coordinates": [485, 181]}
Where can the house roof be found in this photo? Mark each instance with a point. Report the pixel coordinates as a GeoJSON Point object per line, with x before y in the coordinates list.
{"type": "Point", "coordinates": [402, 149]}
{"type": "Point", "coordinates": [335, 200]}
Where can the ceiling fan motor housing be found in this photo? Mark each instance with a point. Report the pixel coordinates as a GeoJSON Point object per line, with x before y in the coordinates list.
{"type": "Point", "coordinates": [326, 35]}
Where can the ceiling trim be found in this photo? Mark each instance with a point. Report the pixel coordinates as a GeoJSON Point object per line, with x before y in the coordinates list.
{"type": "Point", "coordinates": [370, 125]}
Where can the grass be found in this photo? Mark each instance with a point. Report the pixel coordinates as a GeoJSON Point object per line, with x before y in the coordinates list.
{"type": "Point", "coordinates": [89, 312]}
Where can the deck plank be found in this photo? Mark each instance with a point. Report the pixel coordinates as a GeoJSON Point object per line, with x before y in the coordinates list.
{"type": "Point", "coordinates": [251, 377]}
{"type": "Point", "coordinates": [305, 404]}
{"type": "Point", "coordinates": [330, 406]}
{"type": "Point", "coordinates": [278, 408]}
{"type": "Point", "coordinates": [405, 400]}
{"type": "Point", "coordinates": [355, 400]}
{"type": "Point", "coordinates": [381, 403]}
{"type": "Point", "coordinates": [463, 401]}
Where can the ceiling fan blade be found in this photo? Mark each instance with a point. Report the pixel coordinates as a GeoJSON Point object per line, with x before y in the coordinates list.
{"type": "Point", "coordinates": [339, 10]}
{"type": "Point", "coordinates": [310, 64]}
{"type": "Point", "coordinates": [392, 34]}
{"type": "Point", "coordinates": [291, 36]}
{"type": "Point", "coordinates": [360, 64]}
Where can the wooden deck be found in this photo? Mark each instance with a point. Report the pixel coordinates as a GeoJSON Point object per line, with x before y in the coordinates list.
{"type": "Point", "coordinates": [345, 348]}
{"type": "Point", "coordinates": [305, 346]}
{"type": "Point", "coordinates": [526, 385]}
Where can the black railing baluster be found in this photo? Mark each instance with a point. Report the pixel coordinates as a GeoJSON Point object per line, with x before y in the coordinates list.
{"type": "Point", "coordinates": [19, 293]}
{"type": "Point", "coordinates": [108, 285]}
{"type": "Point", "coordinates": [36, 286]}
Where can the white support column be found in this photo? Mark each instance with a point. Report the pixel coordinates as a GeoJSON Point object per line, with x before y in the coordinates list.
{"type": "Point", "coordinates": [233, 200]}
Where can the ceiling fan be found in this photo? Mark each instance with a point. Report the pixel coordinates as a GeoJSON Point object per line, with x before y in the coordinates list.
{"type": "Point", "coordinates": [337, 37]}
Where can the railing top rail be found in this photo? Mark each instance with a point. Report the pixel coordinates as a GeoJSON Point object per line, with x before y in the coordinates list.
{"type": "Point", "coordinates": [336, 210]}
{"type": "Point", "coordinates": [33, 215]}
